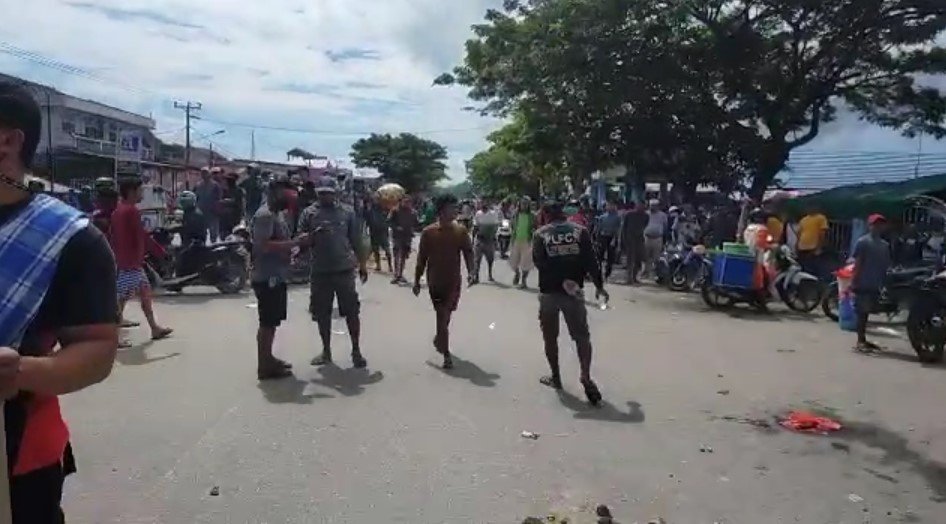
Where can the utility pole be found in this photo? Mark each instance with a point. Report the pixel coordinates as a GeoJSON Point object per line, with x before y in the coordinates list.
{"type": "Point", "coordinates": [189, 108]}
{"type": "Point", "coordinates": [252, 144]}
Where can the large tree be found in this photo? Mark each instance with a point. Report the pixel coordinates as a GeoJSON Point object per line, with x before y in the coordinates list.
{"type": "Point", "coordinates": [672, 85]}
{"type": "Point", "coordinates": [415, 163]}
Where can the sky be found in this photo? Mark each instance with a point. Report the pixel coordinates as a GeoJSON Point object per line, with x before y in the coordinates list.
{"type": "Point", "coordinates": [344, 68]}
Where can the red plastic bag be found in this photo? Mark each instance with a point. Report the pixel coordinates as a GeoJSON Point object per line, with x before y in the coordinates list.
{"type": "Point", "coordinates": [806, 422]}
{"type": "Point", "coordinates": [845, 272]}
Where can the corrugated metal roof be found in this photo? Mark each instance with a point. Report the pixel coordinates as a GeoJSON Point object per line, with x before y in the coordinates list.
{"type": "Point", "coordinates": [816, 170]}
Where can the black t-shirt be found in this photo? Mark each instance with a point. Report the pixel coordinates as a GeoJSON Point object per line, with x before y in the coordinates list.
{"type": "Point", "coordinates": [564, 251]}
{"type": "Point", "coordinates": [82, 293]}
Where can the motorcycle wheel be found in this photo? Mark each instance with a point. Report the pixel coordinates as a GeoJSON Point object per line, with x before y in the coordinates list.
{"type": "Point", "coordinates": [829, 305]}
{"type": "Point", "coordinates": [679, 280]}
{"type": "Point", "coordinates": [804, 297]}
{"type": "Point", "coordinates": [713, 298]}
{"type": "Point", "coordinates": [234, 277]}
{"type": "Point", "coordinates": [928, 341]}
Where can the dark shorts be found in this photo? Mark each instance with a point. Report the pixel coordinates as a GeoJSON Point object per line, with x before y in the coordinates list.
{"type": "Point", "coordinates": [403, 244]}
{"type": "Point", "coordinates": [571, 308]}
{"type": "Point", "coordinates": [445, 297]}
{"type": "Point", "coordinates": [272, 303]}
{"type": "Point", "coordinates": [379, 241]}
{"type": "Point", "coordinates": [865, 301]}
{"type": "Point", "coordinates": [36, 497]}
{"type": "Point", "coordinates": [326, 287]}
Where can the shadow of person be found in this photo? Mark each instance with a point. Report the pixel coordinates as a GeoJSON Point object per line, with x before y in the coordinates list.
{"type": "Point", "coordinates": [467, 370]}
{"type": "Point", "coordinates": [289, 390]}
{"type": "Point", "coordinates": [138, 355]}
{"type": "Point", "coordinates": [348, 382]}
{"type": "Point", "coordinates": [605, 411]}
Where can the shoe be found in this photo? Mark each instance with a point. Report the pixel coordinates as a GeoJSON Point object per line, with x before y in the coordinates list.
{"type": "Point", "coordinates": [359, 361]}
{"type": "Point", "coordinates": [322, 360]}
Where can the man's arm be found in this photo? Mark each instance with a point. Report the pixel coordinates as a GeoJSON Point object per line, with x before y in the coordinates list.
{"type": "Point", "coordinates": [539, 254]}
{"type": "Point", "coordinates": [421, 257]}
{"type": "Point", "coordinates": [467, 248]}
{"type": "Point", "coordinates": [84, 301]}
{"type": "Point", "coordinates": [263, 228]}
{"type": "Point", "coordinates": [588, 259]}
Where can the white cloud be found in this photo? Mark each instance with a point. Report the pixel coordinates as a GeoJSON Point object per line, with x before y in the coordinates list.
{"type": "Point", "coordinates": [334, 65]}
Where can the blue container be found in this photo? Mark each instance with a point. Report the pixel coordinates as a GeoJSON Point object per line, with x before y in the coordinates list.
{"type": "Point", "coordinates": [733, 271]}
{"type": "Point", "coordinates": [847, 313]}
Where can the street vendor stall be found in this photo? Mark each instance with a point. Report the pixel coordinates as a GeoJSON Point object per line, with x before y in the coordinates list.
{"type": "Point", "coordinates": [891, 199]}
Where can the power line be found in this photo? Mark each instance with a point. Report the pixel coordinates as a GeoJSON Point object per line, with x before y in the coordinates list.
{"type": "Point", "coordinates": [310, 131]}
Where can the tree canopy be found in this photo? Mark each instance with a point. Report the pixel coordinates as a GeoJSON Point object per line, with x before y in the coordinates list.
{"type": "Point", "coordinates": [415, 163]}
{"type": "Point", "coordinates": [704, 91]}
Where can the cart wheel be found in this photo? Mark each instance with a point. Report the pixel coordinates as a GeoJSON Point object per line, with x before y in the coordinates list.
{"type": "Point", "coordinates": [713, 297]}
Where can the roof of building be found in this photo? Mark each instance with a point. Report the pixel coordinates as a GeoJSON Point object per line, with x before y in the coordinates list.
{"type": "Point", "coordinates": [816, 170]}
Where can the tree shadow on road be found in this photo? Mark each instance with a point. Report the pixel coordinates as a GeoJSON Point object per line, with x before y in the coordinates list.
{"type": "Point", "coordinates": [289, 390]}
{"type": "Point", "coordinates": [896, 450]}
{"type": "Point", "coordinates": [468, 370]}
{"type": "Point", "coordinates": [138, 355]}
{"type": "Point", "coordinates": [605, 411]}
{"type": "Point", "coordinates": [348, 382]}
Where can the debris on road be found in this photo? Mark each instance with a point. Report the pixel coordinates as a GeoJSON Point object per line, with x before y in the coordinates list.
{"type": "Point", "coordinates": [805, 422]}
{"type": "Point", "coordinates": [492, 326]}
{"type": "Point", "coordinates": [530, 435]}
{"type": "Point", "coordinates": [705, 449]}
{"type": "Point", "coordinates": [841, 446]}
{"type": "Point", "coordinates": [604, 514]}
{"type": "Point", "coordinates": [252, 306]}
{"type": "Point", "coordinates": [855, 498]}
{"type": "Point", "coordinates": [215, 491]}
{"type": "Point", "coordinates": [658, 520]}
{"type": "Point", "coordinates": [723, 392]}
{"type": "Point", "coordinates": [783, 350]}
{"type": "Point", "coordinates": [533, 520]}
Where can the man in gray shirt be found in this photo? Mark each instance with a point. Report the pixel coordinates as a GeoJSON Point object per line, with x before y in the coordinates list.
{"type": "Point", "coordinates": [271, 252]}
{"type": "Point", "coordinates": [871, 261]}
{"type": "Point", "coordinates": [333, 233]}
{"type": "Point", "coordinates": [209, 194]}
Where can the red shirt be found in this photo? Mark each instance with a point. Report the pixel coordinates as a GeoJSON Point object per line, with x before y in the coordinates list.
{"type": "Point", "coordinates": [127, 237]}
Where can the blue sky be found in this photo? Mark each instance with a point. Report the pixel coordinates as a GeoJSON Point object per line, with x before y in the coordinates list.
{"type": "Point", "coordinates": [341, 67]}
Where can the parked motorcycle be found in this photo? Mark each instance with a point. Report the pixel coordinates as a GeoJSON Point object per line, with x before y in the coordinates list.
{"type": "Point", "coordinates": [224, 265]}
{"type": "Point", "coordinates": [926, 323]}
{"type": "Point", "coordinates": [899, 291]}
{"type": "Point", "coordinates": [504, 238]}
{"type": "Point", "coordinates": [799, 290]}
{"type": "Point", "coordinates": [692, 271]}
{"type": "Point", "coordinates": [667, 263]}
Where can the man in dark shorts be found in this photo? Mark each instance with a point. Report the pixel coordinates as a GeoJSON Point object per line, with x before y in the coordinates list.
{"type": "Point", "coordinates": [872, 259]}
{"type": "Point", "coordinates": [271, 256]}
{"type": "Point", "coordinates": [441, 245]}
{"type": "Point", "coordinates": [377, 221]}
{"type": "Point", "coordinates": [68, 299]}
{"type": "Point", "coordinates": [564, 254]}
{"type": "Point", "coordinates": [403, 222]}
{"type": "Point", "coordinates": [334, 235]}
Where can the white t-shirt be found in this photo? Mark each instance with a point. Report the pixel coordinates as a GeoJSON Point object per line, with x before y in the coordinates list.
{"type": "Point", "coordinates": [486, 218]}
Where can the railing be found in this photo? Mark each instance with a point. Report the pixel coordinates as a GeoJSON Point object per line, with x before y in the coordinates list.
{"type": "Point", "coordinates": [104, 147]}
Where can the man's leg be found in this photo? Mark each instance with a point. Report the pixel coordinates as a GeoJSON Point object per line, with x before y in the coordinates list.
{"type": "Point", "coordinates": [442, 336]}
{"type": "Point", "coordinates": [147, 307]}
{"type": "Point", "coordinates": [490, 252]}
{"type": "Point", "coordinates": [610, 254]}
{"type": "Point", "coordinates": [863, 304]}
{"type": "Point", "coordinates": [576, 318]}
{"type": "Point", "coordinates": [376, 252]}
{"type": "Point", "coordinates": [349, 306]}
{"type": "Point", "coordinates": [320, 305]}
{"type": "Point", "coordinates": [477, 259]}
{"type": "Point", "coordinates": [549, 325]}
{"type": "Point", "coordinates": [389, 258]}
{"type": "Point", "coordinates": [515, 257]}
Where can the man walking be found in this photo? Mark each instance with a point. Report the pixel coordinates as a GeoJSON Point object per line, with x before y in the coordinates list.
{"type": "Point", "coordinates": [271, 256]}
{"type": "Point", "coordinates": [632, 241]}
{"type": "Point", "coordinates": [485, 225]}
{"type": "Point", "coordinates": [609, 226]}
{"type": "Point", "coordinates": [657, 228]}
{"type": "Point", "coordinates": [872, 259]}
{"type": "Point", "coordinates": [209, 196]}
{"type": "Point", "coordinates": [403, 221]}
{"type": "Point", "coordinates": [334, 236]}
{"type": "Point", "coordinates": [57, 287]}
{"type": "Point", "coordinates": [564, 254]}
{"type": "Point", "coordinates": [520, 251]}
{"type": "Point", "coordinates": [441, 245]}
{"type": "Point", "coordinates": [377, 221]}
{"type": "Point", "coordinates": [128, 243]}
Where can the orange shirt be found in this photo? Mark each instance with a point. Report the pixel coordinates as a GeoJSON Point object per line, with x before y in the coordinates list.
{"type": "Point", "coordinates": [440, 250]}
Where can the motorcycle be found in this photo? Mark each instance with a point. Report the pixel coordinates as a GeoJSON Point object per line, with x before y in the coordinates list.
{"type": "Point", "coordinates": [504, 238]}
{"type": "Point", "coordinates": [692, 271]}
{"type": "Point", "coordinates": [896, 297]}
{"type": "Point", "coordinates": [667, 263]}
{"type": "Point", "coordinates": [926, 323]}
{"type": "Point", "coordinates": [224, 265]}
{"type": "Point", "coordinates": [800, 291]}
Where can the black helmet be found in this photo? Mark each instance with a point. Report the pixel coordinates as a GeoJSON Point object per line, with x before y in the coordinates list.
{"type": "Point", "coordinates": [757, 216]}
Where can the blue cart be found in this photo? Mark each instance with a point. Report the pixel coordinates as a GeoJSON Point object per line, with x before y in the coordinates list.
{"type": "Point", "coordinates": [732, 282]}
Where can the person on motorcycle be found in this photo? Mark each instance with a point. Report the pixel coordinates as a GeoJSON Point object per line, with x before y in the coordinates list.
{"type": "Point", "coordinates": [872, 259]}
{"type": "Point", "coordinates": [193, 233]}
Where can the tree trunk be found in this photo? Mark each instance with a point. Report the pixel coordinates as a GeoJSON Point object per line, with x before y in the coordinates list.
{"type": "Point", "coordinates": [771, 163]}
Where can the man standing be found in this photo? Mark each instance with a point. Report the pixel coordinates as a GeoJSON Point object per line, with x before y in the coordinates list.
{"type": "Point", "coordinates": [252, 188]}
{"type": "Point", "coordinates": [812, 237]}
{"type": "Point", "coordinates": [403, 221]}
{"type": "Point", "coordinates": [441, 245]}
{"type": "Point", "coordinates": [57, 287]}
{"type": "Point", "coordinates": [209, 195]}
{"type": "Point", "coordinates": [377, 221]}
{"type": "Point", "coordinates": [871, 261]}
{"type": "Point", "coordinates": [520, 252]}
{"type": "Point", "coordinates": [632, 240]}
{"type": "Point", "coordinates": [609, 226]}
{"type": "Point", "coordinates": [657, 222]}
{"type": "Point", "coordinates": [485, 225]}
{"type": "Point", "coordinates": [334, 235]}
{"type": "Point", "coordinates": [564, 254]}
{"type": "Point", "coordinates": [128, 243]}
{"type": "Point", "coordinates": [271, 255]}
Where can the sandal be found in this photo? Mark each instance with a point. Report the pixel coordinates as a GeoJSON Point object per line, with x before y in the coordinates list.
{"type": "Point", "coordinates": [358, 360]}
{"type": "Point", "coordinates": [124, 344]}
{"type": "Point", "coordinates": [592, 392]}
{"type": "Point", "coordinates": [129, 324]}
{"type": "Point", "coordinates": [322, 360]}
{"type": "Point", "coordinates": [162, 334]}
{"type": "Point", "coordinates": [551, 381]}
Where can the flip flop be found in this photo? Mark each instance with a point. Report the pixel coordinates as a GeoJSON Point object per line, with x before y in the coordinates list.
{"type": "Point", "coordinates": [129, 324]}
{"type": "Point", "coordinates": [321, 360]}
{"type": "Point", "coordinates": [162, 334]}
{"type": "Point", "coordinates": [552, 382]}
{"type": "Point", "coordinates": [592, 392]}
{"type": "Point", "coordinates": [124, 344]}
{"type": "Point", "coordinates": [359, 361]}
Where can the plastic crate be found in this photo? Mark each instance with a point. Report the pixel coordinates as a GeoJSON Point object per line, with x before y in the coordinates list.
{"type": "Point", "coordinates": [733, 271]}
{"type": "Point", "coordinates": [736, 248]}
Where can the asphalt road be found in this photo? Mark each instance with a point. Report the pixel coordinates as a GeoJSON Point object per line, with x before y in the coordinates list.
{"type": "Point", "coordinates": [183, 433]}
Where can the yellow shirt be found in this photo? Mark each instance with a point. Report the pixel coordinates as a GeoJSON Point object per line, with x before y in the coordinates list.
{"type": "Point", "coordinates": [809, 231]}
{"type": "Point", "coordinates": [775, 227]}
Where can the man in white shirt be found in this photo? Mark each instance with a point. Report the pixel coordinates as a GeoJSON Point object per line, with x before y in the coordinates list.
{"type": "Point", "coordinates": [657, 222]}
{"type": "Point", "coordinates": [485, 224]}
